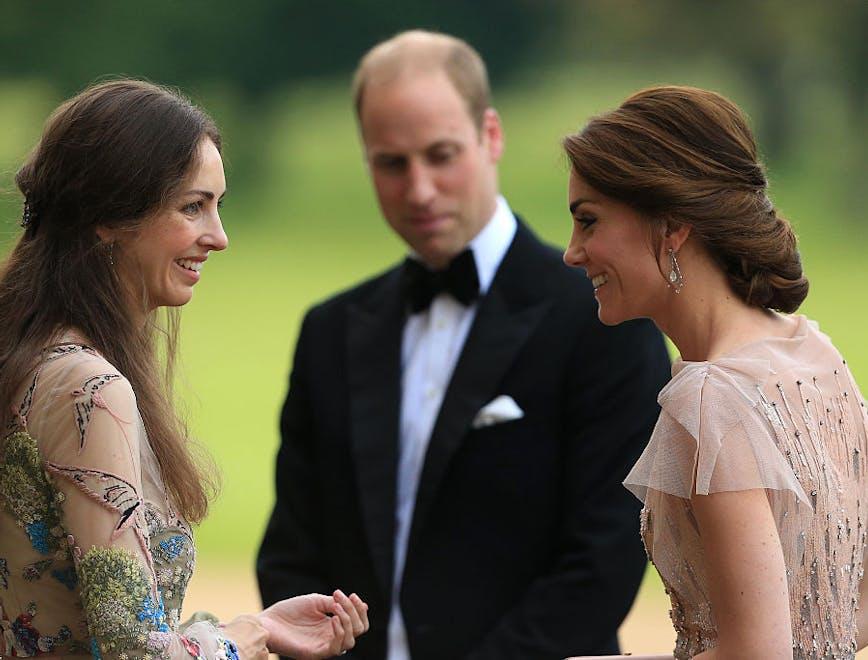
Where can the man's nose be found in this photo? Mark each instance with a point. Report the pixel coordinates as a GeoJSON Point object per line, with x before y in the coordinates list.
{"type": "Point", "coordinates": [420, 185]}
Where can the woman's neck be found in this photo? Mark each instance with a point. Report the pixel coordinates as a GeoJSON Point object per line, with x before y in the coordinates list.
{"type": "Point", "coordinates": [707, 319]}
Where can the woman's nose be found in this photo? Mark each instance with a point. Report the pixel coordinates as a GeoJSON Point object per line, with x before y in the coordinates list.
{"type": "Point", "coordinates": [216, 238]}
{"type": "Point", "coordinates": [574, 255]}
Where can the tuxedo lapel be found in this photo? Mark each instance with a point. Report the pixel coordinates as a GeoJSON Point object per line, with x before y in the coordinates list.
{"type": "Point", "coordinates": [374, 337]}
{"type": "Point", "coordinates": [506, 317]}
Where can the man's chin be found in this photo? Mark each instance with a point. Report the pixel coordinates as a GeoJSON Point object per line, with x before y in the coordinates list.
{"type": "Point", "coordinates": [438, 256]}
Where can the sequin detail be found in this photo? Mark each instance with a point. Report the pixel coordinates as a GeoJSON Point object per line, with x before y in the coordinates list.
{"type": "Point", "coordinates": [808, 435]}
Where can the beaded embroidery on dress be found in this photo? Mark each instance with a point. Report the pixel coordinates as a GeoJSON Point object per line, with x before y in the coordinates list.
{"type": "Point", "coordinates": [94, 560]}
{"type": "Point", "coordinates": [782, 414]}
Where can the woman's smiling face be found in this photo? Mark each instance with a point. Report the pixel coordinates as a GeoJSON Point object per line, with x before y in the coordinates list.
{"type": "Point", "coordinates": [611, 241]}
{"type": "Point", "coordinates": [170, 250]}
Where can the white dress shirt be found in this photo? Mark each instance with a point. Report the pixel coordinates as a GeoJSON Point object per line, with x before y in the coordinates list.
{"type": "Point", "coordinates": [432, 342]}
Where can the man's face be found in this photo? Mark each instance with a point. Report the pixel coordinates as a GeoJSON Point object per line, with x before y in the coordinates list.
{"type": "Point", "coordinates": [434, 172]}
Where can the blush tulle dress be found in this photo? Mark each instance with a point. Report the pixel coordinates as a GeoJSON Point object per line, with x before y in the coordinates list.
{"type": "Point", "coordinates": [783, 414]}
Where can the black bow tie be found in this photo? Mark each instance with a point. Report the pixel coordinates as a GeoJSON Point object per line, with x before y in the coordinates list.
{"type": "Point", "coordinates": [459, 280]}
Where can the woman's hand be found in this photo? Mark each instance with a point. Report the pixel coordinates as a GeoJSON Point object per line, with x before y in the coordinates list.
{"type": "Point", "coordinates": [249, 635]}
{"type": "Point", "coordinates": [315, 626]}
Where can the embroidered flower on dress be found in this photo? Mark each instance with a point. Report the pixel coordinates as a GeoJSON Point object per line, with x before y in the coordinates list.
{"type": "Point", "coordinates": [171, 547]}
{"type": "Point", "coordinates": [35, 570]}
{"type": "Point", "coordinates": [113, 590]}
{"type": "Point", "coordinates": [67, 577]}
{"type": "Point", "coordinates": [231, 649]}
{"type": "Point", "coordinates": [192, 647]}
{"type": "Point", "coordinates": [154, 613]}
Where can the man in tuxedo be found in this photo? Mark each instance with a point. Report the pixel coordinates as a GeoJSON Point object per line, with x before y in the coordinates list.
{"type": "Point", "coordinates": [457, 428]}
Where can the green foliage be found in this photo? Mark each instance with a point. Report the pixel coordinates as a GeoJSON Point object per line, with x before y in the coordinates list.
{"type": "Point", "coordinates": [305, 224]}
{"type": "Point", "coordinates": [255, 45]}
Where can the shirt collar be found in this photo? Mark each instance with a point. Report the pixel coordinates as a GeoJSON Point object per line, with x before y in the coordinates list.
{"type": "Point", "coordinates": [490, 245]}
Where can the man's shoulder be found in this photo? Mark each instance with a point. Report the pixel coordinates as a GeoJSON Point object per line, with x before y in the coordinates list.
{"type": "Point", "coordinates": [356, 294]}
{"type": "Point", "coordinates": [535, 259]}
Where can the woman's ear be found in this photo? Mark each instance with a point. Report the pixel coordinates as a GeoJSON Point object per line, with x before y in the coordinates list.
{"type": "Point", "coordinates": [676, 235]}
{"type": "Point", "coordinates": [106, 235]}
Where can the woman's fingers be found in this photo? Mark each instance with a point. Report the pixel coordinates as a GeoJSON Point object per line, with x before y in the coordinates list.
{"type": "Point", "coordinates": [362, 610]}
{"type": "Point", "coordinates": [337, 643]}
{"type": "Point", "coordinates": [349, 639]}
{"type": "Point", "coordinates": [358, 626]}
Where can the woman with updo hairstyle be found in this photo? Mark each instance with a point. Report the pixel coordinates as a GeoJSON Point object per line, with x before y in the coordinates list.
{"type": "Point", "coordinates": [754, 479]}
{"type": "Point", "coordinates": [98, 480]}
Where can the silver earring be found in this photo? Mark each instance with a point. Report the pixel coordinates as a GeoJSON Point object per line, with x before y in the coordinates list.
{"type": "Point", "coordinates": [676, 281]}
{"type": "Point", "coordinates": [111, 254]}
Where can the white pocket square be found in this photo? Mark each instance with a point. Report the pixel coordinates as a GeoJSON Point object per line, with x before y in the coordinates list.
{"type": "Point", "coordinates": [498, 410]}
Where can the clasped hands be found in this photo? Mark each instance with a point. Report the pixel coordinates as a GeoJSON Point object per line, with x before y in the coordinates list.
{"type": "Point", "coordinates": [306, 627]}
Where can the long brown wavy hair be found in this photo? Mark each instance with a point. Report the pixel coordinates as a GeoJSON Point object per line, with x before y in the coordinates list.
{"type": "Point", "coordinates": [111, 157]}
{"type": "Point", "coordinates": [683, 155]}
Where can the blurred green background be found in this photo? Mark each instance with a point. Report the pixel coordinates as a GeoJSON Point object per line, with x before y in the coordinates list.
{"type": "Point", "coordinates": [302, 219]}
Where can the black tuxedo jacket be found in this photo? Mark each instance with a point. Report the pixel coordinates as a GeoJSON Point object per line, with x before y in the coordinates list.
{"type": "Point", "coordinates": [524, 544]}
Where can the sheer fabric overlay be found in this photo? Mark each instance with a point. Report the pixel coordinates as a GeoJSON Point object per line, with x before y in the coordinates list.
{"type": "Point", "coordinates": [785, 415]}
{"type": "Point", "coordinates": [94, 559]}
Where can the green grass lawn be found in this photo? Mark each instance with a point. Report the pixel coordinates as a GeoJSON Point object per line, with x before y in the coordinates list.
{"type": "Point", "coordinates": [304, 224]}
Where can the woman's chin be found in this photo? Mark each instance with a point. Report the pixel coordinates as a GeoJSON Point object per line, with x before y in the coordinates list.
{"type": "Point", "coordinates": [609, 316]}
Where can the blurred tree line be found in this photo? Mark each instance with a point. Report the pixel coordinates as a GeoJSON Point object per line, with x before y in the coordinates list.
{"type": "Point", "coordinates": [779, 49]}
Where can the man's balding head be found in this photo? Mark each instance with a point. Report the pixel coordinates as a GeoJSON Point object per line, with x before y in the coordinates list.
{"type": "Point", "coordinates": [418, 52]}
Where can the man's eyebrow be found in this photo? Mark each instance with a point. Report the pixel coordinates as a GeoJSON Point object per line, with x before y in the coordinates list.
{"type": "Point", "coordinates": [445, 142]}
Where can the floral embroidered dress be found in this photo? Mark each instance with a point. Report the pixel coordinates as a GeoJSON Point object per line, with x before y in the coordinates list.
{"type": "Point", "coordinates": [782, 414]}
{"type": "Point", "coordinates": [94, 560]}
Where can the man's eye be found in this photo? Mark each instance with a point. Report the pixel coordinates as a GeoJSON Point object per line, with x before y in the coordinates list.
{"type": "Point", "coordinates": [442, 156]}
{"type": "Point", "coordinates": [390, 164]}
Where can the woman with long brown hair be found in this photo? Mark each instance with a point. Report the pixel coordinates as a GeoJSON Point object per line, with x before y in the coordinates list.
{"type": "Point", "coordinates": [754, 480]}
{"type": "Point", "coordinates": [98, 483]}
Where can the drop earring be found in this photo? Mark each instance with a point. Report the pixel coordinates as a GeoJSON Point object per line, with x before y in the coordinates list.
{"type": "Point", "coordinates": [676, 281]}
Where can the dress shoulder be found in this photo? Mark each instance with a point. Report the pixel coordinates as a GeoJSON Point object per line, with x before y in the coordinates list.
{"type": "Point", "coordinates": [78, 405]}
{"type": "Point", "coordinates": [715, 433]}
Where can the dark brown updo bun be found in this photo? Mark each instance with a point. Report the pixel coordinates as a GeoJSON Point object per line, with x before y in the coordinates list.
{"type": "Point", "coordinates": [682, 155]}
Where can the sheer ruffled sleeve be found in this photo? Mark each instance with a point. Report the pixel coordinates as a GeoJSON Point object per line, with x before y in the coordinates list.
{"type": "Point", "coordinates": [715, 433]}
{"type": "Point", "coordinates": [89, 435]}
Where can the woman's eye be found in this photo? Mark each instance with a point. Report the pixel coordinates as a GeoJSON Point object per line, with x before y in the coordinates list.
{"type": "Point", "coordinates": [192, 208]}
{"type": "Point", "coordinates": [586, 221]}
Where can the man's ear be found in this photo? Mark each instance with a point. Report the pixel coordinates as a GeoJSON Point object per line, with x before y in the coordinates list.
{"type": "Point", "coordinates": [493, 133]}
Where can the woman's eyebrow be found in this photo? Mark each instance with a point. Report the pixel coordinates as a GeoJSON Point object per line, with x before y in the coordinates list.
{"type": "Point", "coordinates": [578, 202]}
